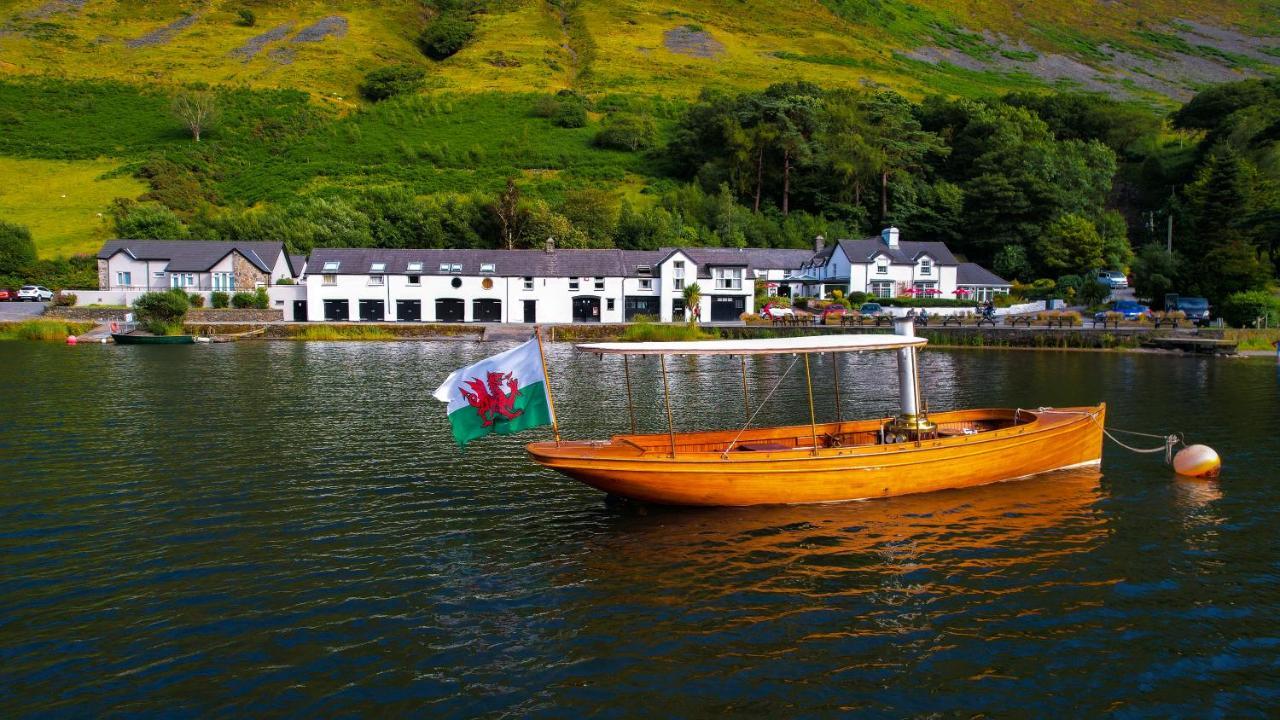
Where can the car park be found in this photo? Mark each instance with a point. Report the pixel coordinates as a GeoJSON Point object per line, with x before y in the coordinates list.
{"type": "Point", "coordinates": [35, 293]}
{"type": "Point", "coordinates": [1113, 279]}
{"type": "Point", "coordinates": [1196, 308]}
{"type": "Point", "coordinates": [1130, 309]}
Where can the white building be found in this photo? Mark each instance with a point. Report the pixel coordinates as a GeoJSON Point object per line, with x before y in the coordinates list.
{"type": "Point", "coordinates": [129, 268]}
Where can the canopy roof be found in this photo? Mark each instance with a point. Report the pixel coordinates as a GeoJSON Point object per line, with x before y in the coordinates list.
{"type": "Point", "coordinates": [760, 346]}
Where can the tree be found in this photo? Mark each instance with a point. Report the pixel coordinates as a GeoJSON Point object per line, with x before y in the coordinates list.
{"type": "Point", "coordinates": [161, 313]}
{"type": "Point", "coordinates": [390, 81]}
{"type": "Point", "coordinates": [1116, 251]}
{"type": "Point", "coordinates": [511, 217]}
{"type": "Point", "coordinates": [1070, 243]}
{"type": "Point", "coordinates": [146, 221]}
{"type": "Point", "coordinates": [1156, 272]}
{"type": "Point", "coordinates": [626, 132]}
{"type": "Point", "coordinates": [17, 250]}
{"type": "Point", "coordinates": [446, 35]}
{"type": "Point", "coordinates": [897, 140]}
{"type": "Point", "coordinates": [1229, 268]}
{"type": "Point", "coordinates": [197, 109]}
{"type": "Point", "coordinates": [693, 302]}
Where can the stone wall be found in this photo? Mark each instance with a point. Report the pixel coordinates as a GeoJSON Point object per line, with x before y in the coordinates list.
{"type": "Point", "coordinates": [102, 274]}
{"type": "Point", "coordinates": [195, 315]}
{"type": "Point", "coordinates": [246, 273]}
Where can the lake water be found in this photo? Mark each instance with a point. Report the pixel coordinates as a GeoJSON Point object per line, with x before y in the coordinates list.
{"type": "Point", "coordinates": [285, 528]}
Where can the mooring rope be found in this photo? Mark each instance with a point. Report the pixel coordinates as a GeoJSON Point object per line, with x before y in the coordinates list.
{"type": "Point", "coordinates": [1170, 441]}
{"type": "Point", "coordinates": [763, 402]}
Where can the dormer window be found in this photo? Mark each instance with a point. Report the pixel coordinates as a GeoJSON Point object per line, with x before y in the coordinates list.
{"type": "Point", "coordinates": [332, 266]}
{"type": "Point", "coordinates": [415, 267]}
{"type": "Point", "coordinates": [378, 267]}
{"type": "Point", "coordinates": [882, 265]}
{"type": "Point", "coordinates": [487, 268]}
{"type": "Point", "coordinates": [926, 266]}
{"type": "Point", "coordinates": [644, 271]}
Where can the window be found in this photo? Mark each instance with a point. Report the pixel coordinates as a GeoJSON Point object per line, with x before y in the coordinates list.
{"type": "Point", "coordinates": [330, 280]}
{"type": "Point", "coordinates": [644, 271]}
{"type": "Point", "coordinates": [159, 273]}
{"type": "Point", "coordinates": [926, 267]}
{"type": "Point", "coordinates": [608, 303]}
{"type": "Point", "coordinates": [882, 268]}
{"type": "Point", "coordinates": [444, 267]}
{"type": "Point", "coordinates": [677, 275]}
{"type": "Point", "coordinates": [599, 283]}
{"type": "Point", "coordinates": [646, 284]}
{"type": "Point", "coordinates": [486, 268]}
{"type": "Point", "coordinates": [728, 278]}
{"type": "Point", "coordinates": [455, 268]}
{"type": "Point", "coordinates": [928, 289]}
{"type": "Point", "coordinates": [414, 267]}
{"type": "Point", "coordinates": [573, 283]}
{"type": "Point", "coordinates": [332, 266]}
{"type": "Point", "coordinates": [223, 281]}
{"type": "Point", "coordinates": [124, 278]}
{"type": "Point", "coordinates": [378, 267]}
{"type": "Point", "coordinates": [882, 288]}
{"type": "Point", "coordinates": [528, 283]}
{"type": "Point", "coordinates": [415, 279]}
{"type": "Point", "coordinates": [182, 280]}
{"type": "Point", "coordinates": [378, 280]}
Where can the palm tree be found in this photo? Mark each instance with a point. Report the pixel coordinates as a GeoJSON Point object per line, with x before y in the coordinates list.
{"type": "Point", "coordinates": [692, 301]}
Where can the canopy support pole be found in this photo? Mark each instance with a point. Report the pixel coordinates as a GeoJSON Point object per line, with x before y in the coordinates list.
{"type": "Point", "coordinates": [666, 396]}
{"type": "Point", "coordinates": [551, 403]}
{"type": "Point", "coordinates": [813, 422]}
{"type": "Point", "coordinates": [631, 409]}
{"type": "Point", "coordinates": [835, 365]}
{"type": "Point", "coordinates": [746, 397]}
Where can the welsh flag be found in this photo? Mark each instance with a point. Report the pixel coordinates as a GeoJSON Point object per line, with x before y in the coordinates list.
{"type": "Point", "coordinates": [502, 394]}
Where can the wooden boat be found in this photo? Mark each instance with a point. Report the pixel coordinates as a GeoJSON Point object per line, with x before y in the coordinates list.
{"type": "Point", "coordinates": [827, 462]}
{"type": "Point", "coordinates": [138, 339]}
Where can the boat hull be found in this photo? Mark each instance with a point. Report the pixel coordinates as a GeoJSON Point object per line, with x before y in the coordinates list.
{"type": "Point", "coordinates": [129, 339]}
{"type": "Point", "coordinates": [708, 470]}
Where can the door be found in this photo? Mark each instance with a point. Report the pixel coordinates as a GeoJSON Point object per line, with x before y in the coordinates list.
{"type": "Point", "coordinates": [450, 310]}
{"type": "Point", "coordinates": [640, 305]}
{"type": "Point", "coordinates": [531, 311]}
{"type": "Point", "coordinates": [677, 310]}
{"type": "Point", "coordinates": [373, 310]}
{"type": "Point", "coordinates": [726, 308]}
{"type": "Point", "coordinates": [409, 310]}
{"type": "Point", "coordinates": [486, 310]}
{"type": "Point", "coordinates": [586, 308]}
{"type": "Point", "coordinates": [299, 310]}
{"type": "Point", "coordinates": [337, 310]}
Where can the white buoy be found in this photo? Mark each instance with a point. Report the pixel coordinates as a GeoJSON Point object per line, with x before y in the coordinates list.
{"type": "Point", "coordinates": [1199, 461]}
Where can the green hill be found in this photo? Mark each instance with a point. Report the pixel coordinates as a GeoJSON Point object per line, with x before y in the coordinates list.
{"type": "Point", "coordinates": [85, 87]}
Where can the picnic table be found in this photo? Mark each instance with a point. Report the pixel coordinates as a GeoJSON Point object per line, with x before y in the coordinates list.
{"type": "Point", "coordinates": [1015, 320]}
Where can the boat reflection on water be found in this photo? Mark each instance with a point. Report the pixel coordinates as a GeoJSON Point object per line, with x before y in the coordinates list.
{"type": "Point", "coordinates": [880, 567]}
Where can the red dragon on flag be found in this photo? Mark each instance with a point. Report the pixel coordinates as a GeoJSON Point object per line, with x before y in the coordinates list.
{"type": "Point", "coordinates": [490, 401]}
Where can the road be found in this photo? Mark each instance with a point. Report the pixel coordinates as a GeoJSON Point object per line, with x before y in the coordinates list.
{"type": "Point", "coordinates": [20, 310]}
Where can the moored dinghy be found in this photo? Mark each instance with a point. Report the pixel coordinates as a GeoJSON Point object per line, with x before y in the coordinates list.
{"type": "Point", "coordinates": [832, 461]}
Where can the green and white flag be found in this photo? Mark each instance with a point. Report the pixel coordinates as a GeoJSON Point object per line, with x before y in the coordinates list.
{"type": "Point", "coordinates": [503, 394]}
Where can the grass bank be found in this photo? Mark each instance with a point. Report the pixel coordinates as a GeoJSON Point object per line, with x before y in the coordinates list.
{"type": "Point", "coordinates": [343, 332]}
{"type": "Point", "coordinates": [1253, 339]}
{"type": "Point", "coordinates": [43, 330]}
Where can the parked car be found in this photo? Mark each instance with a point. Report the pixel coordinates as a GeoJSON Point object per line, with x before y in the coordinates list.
{"type": "Point", "coordinates": [870, 309]}
{"type": "Point", "coordinates": [771, 311]}
{"type": "Point", "coordinates": [833, 310]}
{"type": "Point", "coordinates": [1196, 308]}
{"type": "Point", "coordinates": [1113, 279]}
{"type": "Point", "coordinates": [35, 293]}
{"type": "Point", "coordinates": [1130, 309]}
{"type": "Point", "coordinates": [7, 295]}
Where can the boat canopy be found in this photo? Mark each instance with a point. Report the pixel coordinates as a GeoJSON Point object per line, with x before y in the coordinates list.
{"type": "Point", "coordinates": [759, 346]}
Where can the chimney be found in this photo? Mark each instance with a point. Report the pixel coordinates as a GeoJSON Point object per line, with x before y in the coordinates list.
{"type": "Point", "coordinates": [889, 236]}
{"type": "Point", "coordinates": [551, 245]}
{"type": "Point", "coordinates": [819, 243]}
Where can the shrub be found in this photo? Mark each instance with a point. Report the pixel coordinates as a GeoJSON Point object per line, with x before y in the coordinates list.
{"type": "Point", "coordinates": [261, 300]}
{"type": "Point", "coordinates": [857, 298]}
{"type": "Point", "coordinates": [61, 299]}
{"type": "Point", "coordinates": [17, 249]}
{"type": "Point", "coordinates": [1253, 308]}
{"type": "Point", "coordinates": [243, 300]}
{"type": "Point", "coordinates": [445, 36]}
{"type": "Point", "coordinates": [546, 106]}
{"type": "Point", "coordinates": [246, 18]}
{"type": "Point", "coordinates": [161, 312]}
{"type": "Point", "coordinates": [570, 113]}
{"type": "Point", "coordinates": [220, 299]}
{"type": "Point", "coordinates": [627, 132]}
{"type": "Point", "coordinates": [388, 82]}
{"type": "Point", "coordinates": [196, 300]}
{"type": "Point", "coordinates": [1002, 300]}
{"type": "Point", "coordinates": [285, 281]}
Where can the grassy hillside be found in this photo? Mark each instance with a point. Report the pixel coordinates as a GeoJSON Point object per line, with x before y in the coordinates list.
{"type": "Point", "coordinates": [85, 86]}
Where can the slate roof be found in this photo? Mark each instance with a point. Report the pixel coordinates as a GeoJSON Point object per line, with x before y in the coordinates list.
{"type": "Point", "coordinates": [907, 252]}
{"type": "Point", "coordinates": [298, 263]}
{"type": "Point", "coordinates": [195, 255]}
{"type": "Point", "coordinates": [975, 274]}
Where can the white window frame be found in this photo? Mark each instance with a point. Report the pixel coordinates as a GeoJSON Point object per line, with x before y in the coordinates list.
{"type": "Point", "coordinates": [599, 284]}
{"type": "Point", "coordinates": [377, 280]}
{"type": "Point", "coordinates": [332, 265]}
{"type": "Point", "coordinates": [415, 280]}
{"type": "Point", "coordinates": [414, 267]}
{"type": "Point", "coordinates": [377, 268]}
{"type": "Point", "coordinates": [444, 268]}
{"type": "Point", "coordinates": [329, 279]}
{"type": "Point", "coordinates": [882, 267]}
{"type": "Point", "coordinates": [728, 278]}
{"type": "Point", "coordinates": [926, 267]}
{"type": "Point", "coordinates": [124, 278]}
{"type": "Point", "coordinates": [455, 268]}
{"type": "Point", "coordinates": [677, 274]}
{"type": "Point", "coordinates": [528, 282]}
{"type": "Point", "coordinates": [488, 268]}
{"type": "Point", "coordinates": [574, 283]}
{"type": "Point", "coordinates": [646, 283]}
{"type": "Point", "coordinates": [882, 288]}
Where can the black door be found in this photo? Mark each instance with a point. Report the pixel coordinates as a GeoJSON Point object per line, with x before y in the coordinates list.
{"type": "Point", "coordinates": [586, 309]}
{"type": "Point", "coordinates": [373, 310]}
{"type": "Point", "coordinates": [725, 308]}
{"type": "Point", "coordinates": [409, 310]}
{"type": "Point", "coordinates": [640, 305]}
{"type": "Point", "coordinates": [336, 310]}
{"type": "Point", "coordinates": [531, 311]}
{"type": "Point", "coordinates": [299, 310]}
{"type": "Point", "coordinates": [677, 310]}
{"type": "Point", "coordinates": [450, 310]}
{"type": "Point", "coordinates": [486, 310]}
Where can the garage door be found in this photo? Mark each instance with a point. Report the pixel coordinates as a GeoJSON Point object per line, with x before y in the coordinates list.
{"type": "Point", "coordinates": [640, 305]}
{"type": "Point", "coordinates": [450, 310]}
{"type": "Point", "coordinates": [373, 310]}
{"type": "Point", "coordinates": [486, 310]}
{"type": "Point", "coordinates": [337, 310]}
{"type": "Point", "coordinates": [727, 307]}
{"type": "Point", "coordinates": [409, 310]}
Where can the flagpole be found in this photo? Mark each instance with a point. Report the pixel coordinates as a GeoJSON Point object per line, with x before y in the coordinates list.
{"type": "Point", "coordinates": [546, 376]}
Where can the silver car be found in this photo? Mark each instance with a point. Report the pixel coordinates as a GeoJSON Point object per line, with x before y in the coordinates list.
{"type": "Point", "coordinates": [1113, 279]}
{"type": "Point", "coordinates": [34, 293]}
